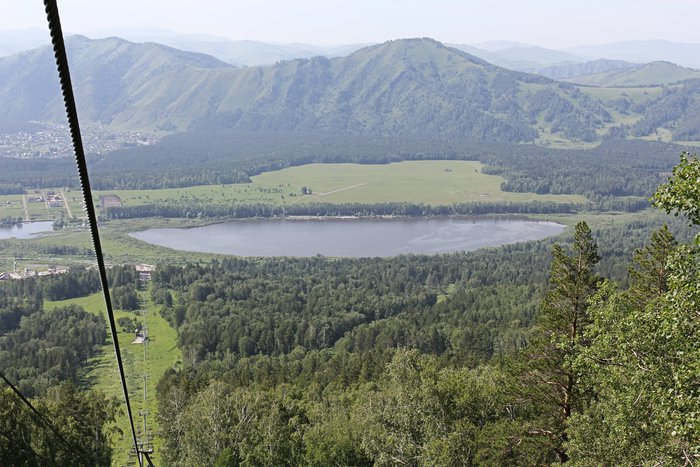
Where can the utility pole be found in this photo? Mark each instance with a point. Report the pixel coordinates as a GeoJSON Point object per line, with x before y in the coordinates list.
{"type": "Point", "coordinates": [145, 337]}
{"type": "Point", "coordinates": [145, 389]}
{"type": "Point", "coordinates": [144, 413]}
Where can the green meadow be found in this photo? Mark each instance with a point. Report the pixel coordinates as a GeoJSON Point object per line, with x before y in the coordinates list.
{"type": "Point", "coordinates": [30, 208]}
{"type": "Point", "coordinates": [161, 353]}
{"type": "Point", "coordinates": [429, 182]}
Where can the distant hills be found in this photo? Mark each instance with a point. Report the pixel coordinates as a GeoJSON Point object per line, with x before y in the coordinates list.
{"type": "Point", "coordinates": [411, 87]}
{"type": "Point", "coordinates": [514, 55]}
{"type": "Point", "coordinates": [648, 74]}
{"type": "Point", "coordinates": [14, 41]}
{"type": "Point", "coordinates": [519, 57]}
{"type": "Point", "coordinates": [553, 63]}
{"type": "Point", "coordinates": [684, 54]}
{"type": "Point", "coordinates": [235, 52]}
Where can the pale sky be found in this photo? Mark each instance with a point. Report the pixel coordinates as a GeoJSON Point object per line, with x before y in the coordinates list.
{"type": "Point", "coordinates": [549, 23]}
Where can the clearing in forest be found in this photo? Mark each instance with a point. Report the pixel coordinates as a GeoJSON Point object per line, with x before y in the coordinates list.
{"type": "Point", "coordinates": [440, 182]}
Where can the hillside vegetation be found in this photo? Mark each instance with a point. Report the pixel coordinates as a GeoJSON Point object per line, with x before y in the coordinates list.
{"type": "Point", "coordinates": [648, 74]}
{"type": "Point", "coordinates": [412, 86]}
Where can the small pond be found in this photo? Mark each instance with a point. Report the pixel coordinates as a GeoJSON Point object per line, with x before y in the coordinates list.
{"type": "Point", "coordinates": [25, 230]}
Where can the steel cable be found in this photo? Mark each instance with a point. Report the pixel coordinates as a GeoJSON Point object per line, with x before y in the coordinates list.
{"type": "Point", "coordinates": [59, 49]}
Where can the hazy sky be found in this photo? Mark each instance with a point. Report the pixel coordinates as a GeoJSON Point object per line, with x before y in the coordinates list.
{"type": "Point", "coordinates": [550, 23]}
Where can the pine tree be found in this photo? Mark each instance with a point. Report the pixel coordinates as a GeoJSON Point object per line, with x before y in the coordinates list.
{"type": "Point", "coordinates": [649, 274]}
{"type": "Point", "coordinates": [562, 318]}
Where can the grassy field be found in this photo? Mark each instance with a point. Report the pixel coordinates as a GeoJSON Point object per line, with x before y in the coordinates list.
{"type": "Point", "coordinates": [101, 373]}
{"type": "Point", "coordinates": [32, 206]}
{"type": "Point", "coordinates": [429, 182]}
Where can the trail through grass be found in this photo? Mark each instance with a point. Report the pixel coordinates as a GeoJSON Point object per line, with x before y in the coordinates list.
{"type": "Point", "coordinates": [101, 372]}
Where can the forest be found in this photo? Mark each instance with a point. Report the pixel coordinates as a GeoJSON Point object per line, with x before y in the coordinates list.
{"type": "Point", "coordinates": [521, 354]}
{"type": "Point", "coordinates": [249, 210]}
{"type": "Point", "coordinates": [616, 168]}
{"type": "Point", "coordinates": [40, 349]}
{"type": "Point", "coordinates": [502, 369]}
{"type": "Point", "coordinates": [532, 353]}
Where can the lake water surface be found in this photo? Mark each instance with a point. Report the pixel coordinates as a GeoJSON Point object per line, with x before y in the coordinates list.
{"type": "Point", "coordinates": [26, 230]}
{"type": "Point", "coordinates": [349, 237]}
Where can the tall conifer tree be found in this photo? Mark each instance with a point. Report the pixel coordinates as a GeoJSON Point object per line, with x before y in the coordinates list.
{"type": "Point", "coordinates": [561, 321]}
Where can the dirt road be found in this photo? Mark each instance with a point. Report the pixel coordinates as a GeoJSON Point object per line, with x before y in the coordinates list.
{"type": "Point", "coordinates": [26, 209]}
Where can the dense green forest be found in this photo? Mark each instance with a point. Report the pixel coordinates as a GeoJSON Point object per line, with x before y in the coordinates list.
{"type": "Point", "coordinates": [454, 360]}
{"type": "Point", "coordinates": [74, 428]}
{"type": "Point", "coordinates": [522, 354]}
{"type": "Point", "coordinates": [44, 355]}
{"type": "Point", "coordinates": [248, 210]}
{"type": "Point", "coordinates": [40, 349]}
{"type": "Point", "coordinates": [617, 175]}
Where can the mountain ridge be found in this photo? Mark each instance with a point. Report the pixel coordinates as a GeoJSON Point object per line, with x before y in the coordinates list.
{"type": "Point", "coordinates": [570, 70]}
{"type": "Point", "coordinates": [644, 51]}
{"type": "Point", "coordinates": [413, 86]}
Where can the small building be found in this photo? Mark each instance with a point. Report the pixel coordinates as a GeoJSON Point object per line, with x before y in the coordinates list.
{"type": "Point", "coordinates": [140, 337]}
{"type": "Point", "coordinates": [145, 271]}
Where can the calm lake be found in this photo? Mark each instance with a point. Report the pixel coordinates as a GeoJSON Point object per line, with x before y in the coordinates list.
{"type": "Point", "coordinates": [26, 230]}
{"type": "Point", "coordinates": [349, 237]}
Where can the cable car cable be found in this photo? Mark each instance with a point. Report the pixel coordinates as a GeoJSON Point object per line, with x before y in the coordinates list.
{"type": "Point", "coordinates": [59, 49]}
{"type": "Point", "coordinates": [34, 410]}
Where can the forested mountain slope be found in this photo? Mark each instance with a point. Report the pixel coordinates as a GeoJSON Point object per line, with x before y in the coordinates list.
{"type": "Point", "coordinates": [561, 71]}
{"type": "Point", "coordinates": [677, 110]}
{"type": "Point", "coordinates": [413, 86]}
{"type": "Point", "coordinates": [110, 77]}
{"type": "Point", "coordinates": [648, 74]}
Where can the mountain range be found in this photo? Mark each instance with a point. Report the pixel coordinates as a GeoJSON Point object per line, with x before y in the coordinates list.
{"type": "Point", "coordinates": [514, 55]}
{"type": "Point", "coordinates": [410, 86]}
{"type": "Point", "coordinates": [684, 54]}
{"type": "Point", "coordinates": [519, 57]}
{"type": "Point", "coordinates": [572, 70]}
{"type": "Point", "coordinates": [234, 52]}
